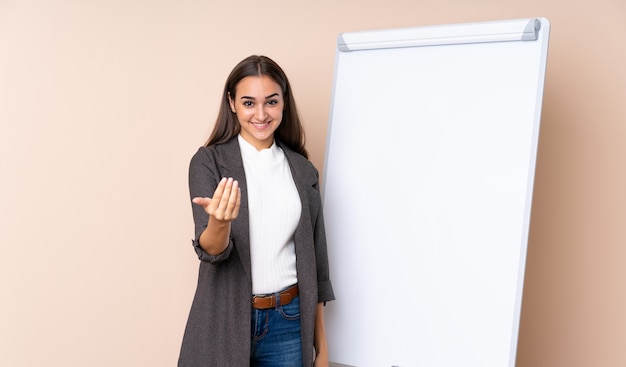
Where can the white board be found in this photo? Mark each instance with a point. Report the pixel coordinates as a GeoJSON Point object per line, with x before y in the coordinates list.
{"type": "Point", "coordinates": [427, 191]}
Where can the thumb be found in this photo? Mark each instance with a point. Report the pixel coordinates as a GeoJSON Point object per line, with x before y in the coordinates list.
{"type": "Point", "coordinates": [201, 201]}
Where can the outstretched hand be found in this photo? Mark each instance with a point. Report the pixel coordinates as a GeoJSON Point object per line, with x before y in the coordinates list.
{"type": "Point", "coordinates": [224, 205]}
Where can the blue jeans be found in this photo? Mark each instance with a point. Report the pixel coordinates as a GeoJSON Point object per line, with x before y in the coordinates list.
{"type": "Point", "coordinates": [276, 340]}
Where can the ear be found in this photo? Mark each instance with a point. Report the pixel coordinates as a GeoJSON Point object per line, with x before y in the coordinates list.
{"type": "Point", "coordinates": [231, 103]}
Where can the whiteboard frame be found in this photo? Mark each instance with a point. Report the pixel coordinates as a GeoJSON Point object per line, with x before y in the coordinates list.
{"type": "Point", "coordinates": [524, 30]}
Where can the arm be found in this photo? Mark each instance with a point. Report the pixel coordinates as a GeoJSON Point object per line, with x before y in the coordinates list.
{"type": "Point", "coordinates": [321, 347]}
{"type": "Point", "coordinates": [325, 289]}
{"type": "Point", "coordinates": [222, 209]}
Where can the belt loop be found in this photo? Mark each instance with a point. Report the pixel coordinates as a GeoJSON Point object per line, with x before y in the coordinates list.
{"type": "Point", "coordinates": [277, 298]}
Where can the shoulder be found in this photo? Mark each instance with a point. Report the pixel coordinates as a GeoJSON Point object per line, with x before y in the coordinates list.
{"type": "Point", "coordinates": [219, 153]}
{"type": "Point", "coordinates": [203, 157]}
{"type": "Point", "coordinates": [217, 161]}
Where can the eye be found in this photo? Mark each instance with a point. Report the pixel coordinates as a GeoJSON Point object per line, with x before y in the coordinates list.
{"type": "Point", "coordinates": [248, 103]}
{"type": "Point", "coordinates": [272, 102]}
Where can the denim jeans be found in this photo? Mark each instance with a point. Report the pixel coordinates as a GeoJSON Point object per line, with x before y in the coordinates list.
{"type": "Point", "coordinates": [276, 340]}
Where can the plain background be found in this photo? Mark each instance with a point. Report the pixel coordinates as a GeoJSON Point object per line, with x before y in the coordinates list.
{"type": "Point", "coordinates": [103, 102]}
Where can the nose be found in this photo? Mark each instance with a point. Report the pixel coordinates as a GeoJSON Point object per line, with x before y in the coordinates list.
{"type": "Point", "coordinates": [261, 114]}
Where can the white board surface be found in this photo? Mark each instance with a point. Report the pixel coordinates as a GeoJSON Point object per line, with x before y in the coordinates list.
{"type": "Point", "coordinates": [427, 191]}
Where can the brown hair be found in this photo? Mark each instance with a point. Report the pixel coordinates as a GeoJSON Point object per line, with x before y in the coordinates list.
{"type": "Point", "coordinates": [290, 132]}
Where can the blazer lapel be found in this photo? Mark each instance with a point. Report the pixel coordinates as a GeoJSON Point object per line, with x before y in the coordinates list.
{"type": "Point", "coordinates": [304, 182]}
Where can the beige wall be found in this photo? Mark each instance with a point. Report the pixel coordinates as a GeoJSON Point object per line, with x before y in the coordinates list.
{"type": "Point", "coordinates": [103, 102]}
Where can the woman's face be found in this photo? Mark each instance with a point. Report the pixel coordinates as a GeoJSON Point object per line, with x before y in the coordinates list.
{"type": "Point", "coordinates": [259, 106]}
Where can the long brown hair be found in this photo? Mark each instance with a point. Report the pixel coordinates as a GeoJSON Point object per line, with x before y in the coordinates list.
{"type": "Point", "coordinates": [290, 132]}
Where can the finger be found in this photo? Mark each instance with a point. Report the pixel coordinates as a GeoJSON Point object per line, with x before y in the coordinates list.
{"type": "Point", "coordinates": [234, 201]}
{"type": "Point", "coordinates": [217, 194]}
{"type": "Point", "coordinates": [227, 192]}
{"type": "Point", "coordinates": [238, 203]}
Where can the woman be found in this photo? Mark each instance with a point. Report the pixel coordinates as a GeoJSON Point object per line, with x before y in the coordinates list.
{"type": "Point", "coordinates": [264, 275]}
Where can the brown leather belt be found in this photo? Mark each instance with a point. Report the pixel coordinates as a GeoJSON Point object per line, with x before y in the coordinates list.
{"type": "Point", "coordinates": [269, 301]}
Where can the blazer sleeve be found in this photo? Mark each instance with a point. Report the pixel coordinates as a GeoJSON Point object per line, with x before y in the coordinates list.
{"type": "Point", "coordinates": [324, 285]}
{"type": "Point", "coordinates": [204, 177]}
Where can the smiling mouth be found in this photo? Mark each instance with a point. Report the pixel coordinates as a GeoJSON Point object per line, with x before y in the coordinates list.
{"type": "Point", "coordinates": [260, 124]}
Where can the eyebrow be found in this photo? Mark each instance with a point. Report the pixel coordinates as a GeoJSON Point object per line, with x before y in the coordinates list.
{"type": "Point", "coordinates": [268, 97]}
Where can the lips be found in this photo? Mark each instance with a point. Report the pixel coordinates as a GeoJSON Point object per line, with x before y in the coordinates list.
{"type": "Point", "coordinates": [260, 125]}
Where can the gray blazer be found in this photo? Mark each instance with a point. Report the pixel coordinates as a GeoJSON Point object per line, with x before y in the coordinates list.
{"type": "Point", "coordinates": [218, 328]}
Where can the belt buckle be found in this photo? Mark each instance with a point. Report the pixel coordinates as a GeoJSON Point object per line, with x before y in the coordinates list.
{"type": "Point", "coordinates": [271, 298]}
{"type": "Point", "coordinates": [272, 301]}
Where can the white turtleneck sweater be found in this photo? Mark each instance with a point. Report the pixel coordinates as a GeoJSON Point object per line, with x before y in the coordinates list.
{"type": "Point", "coordinates": [274, 208]}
